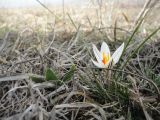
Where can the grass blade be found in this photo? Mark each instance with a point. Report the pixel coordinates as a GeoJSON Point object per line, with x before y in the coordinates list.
{"type": "Point", "coordinates": [69, 74]}
{"type": "Point", "coordinates": [143, 42]}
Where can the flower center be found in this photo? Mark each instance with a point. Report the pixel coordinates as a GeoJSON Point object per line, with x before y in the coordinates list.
{"type": "Point", "coordinates": [106, 58]}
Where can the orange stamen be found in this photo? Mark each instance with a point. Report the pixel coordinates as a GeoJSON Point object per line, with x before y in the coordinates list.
{"type": "Point", "coordinates": [105, 58]}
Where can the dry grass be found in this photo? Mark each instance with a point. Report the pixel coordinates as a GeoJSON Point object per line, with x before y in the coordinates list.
{"type": "Point", "coordinates": [34, 40]}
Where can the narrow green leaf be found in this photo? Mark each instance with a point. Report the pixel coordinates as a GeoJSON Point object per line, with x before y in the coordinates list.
{"type": "Point", "coordinates": [50, 75]}
{"type": "Point", "coordinates": [37, 78]}
{"type": "Point", "coordinates": [69, 74]}
{"type": "Point", "coordinates": [72, 21]}
{"type": "Point", "coordinates": [115, 30]}
{"type": "Point", "coordinates": [134, 32]}
{"type": "Point", "coordinates": [141, 44]}
{"type": "Point", "coordinates": [132, 35]}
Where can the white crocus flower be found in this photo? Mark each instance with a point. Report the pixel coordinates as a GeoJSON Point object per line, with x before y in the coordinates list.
{"type": "Point", "coordinates": [103, 56]}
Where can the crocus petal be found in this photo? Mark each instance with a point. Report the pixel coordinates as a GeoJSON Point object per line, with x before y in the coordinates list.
{"type": "Point", "coordinates": [105, 48]}
{"type": "Point", "coordinates": [97, 54]}
{"type": "Point", "coordinates": [117, 54]}
{"type": "Point", "coordinates": [99, 65]}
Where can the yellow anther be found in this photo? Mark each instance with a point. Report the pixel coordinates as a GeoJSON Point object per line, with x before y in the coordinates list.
{"type": "Point", "coordinates": [106, 58]}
